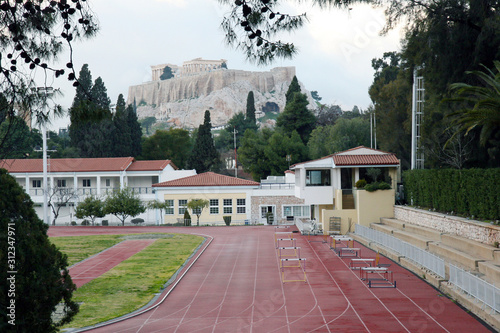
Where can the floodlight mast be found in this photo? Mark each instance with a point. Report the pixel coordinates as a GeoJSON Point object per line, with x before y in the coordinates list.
{"type": "Point", "coordinates": [45, 92]}
{"type": "Point", "coordinates": [417, 112]}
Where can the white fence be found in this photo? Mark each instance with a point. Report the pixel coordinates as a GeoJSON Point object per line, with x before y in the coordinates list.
{"type": "Point", "coordinates": [475, 287]}
{"type": "Point", "coordinates": [421, 257]}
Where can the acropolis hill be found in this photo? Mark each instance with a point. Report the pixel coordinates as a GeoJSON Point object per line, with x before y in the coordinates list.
{"type": "Point", "coordinates": [201, 85]}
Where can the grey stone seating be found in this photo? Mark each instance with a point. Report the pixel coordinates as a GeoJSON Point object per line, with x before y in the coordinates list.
{"type": "Point", "coordinates": [491, 271]}
{"type": "Point", "coordinates": [382, 228]}
{"type": "Point", "coordinates": [471, 247]}
{"type": "Point", "coordinates": [413, 239]}
{"type": "Point", "coordinates": [457, 257]}
{"type": "Point", "coordinates": [428, 233]}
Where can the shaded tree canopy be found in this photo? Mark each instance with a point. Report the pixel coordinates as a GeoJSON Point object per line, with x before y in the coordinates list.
{"type": "Point", "coordinates": [167, 73]}
{"type": "Point", "coordinates": [173, 144]}
{"type": "Point", "coordinates": [42, 281]}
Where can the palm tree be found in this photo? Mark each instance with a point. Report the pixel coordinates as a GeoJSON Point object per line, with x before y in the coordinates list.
{"type": "Point", "coordinates": [484, 101]}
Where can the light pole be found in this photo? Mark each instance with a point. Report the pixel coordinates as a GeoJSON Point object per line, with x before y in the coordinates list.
{"type": "Point", "coordinates": [45, 92]}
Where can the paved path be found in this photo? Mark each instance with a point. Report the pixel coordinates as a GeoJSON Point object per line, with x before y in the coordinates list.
{"type": "Point", "coordinates": [235, 286]}
{"type": "Point", "coordinates": [99, 264]}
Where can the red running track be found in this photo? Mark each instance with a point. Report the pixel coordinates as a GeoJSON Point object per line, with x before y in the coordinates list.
{"type": "Point", "coordinates": [99, 264]}
{"type": "Point", "coordinates": [235, 286]}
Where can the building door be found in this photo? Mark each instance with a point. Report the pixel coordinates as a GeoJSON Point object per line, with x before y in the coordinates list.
{"type": "Point", "coordinates": [266, 211]}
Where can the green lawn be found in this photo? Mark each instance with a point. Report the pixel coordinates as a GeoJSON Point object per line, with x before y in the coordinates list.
{"type": "Point", "coordinates": [132, 283]}
{"type": "Point", "coordinates": [81, 247]}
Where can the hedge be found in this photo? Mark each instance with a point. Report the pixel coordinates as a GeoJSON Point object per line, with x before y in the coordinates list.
{"type": "Point", "coordinates": [471, 192]}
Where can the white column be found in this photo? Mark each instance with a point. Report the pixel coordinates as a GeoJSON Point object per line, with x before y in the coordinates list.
{"type": "Point", "coordinates": [98, 185]}
{"type": "Point", "coordinates": [27, 184]}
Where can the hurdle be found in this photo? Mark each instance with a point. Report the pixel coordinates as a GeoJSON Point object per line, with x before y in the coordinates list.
{"type": "Point", "coordinates": [296, 251]}
{"type": "Point", "coordinates": [282, 227]}
{"type": "Point", "coordinates": [301, 264]}
{"type": "Point", "coordinates": [384, 277]}
{"type": "Point", "coordinates": [377, 261]}
{"type": "Point", "coordinates": [349, 252]}
{"type": "Point", "coordinates": [339, 240]}
{"type": "Point", "coordinates": [353, 264]}
{"type": "Point", "coordinates": [281, 235]}
{"type": "Point", "coordinates": [323, 239]}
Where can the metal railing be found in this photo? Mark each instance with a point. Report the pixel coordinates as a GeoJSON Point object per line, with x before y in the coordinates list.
{"type": "Point", "coordinates": [475, 287]}
{"type": "Point", "coordinates": [421, 257]}
{"type": "Point", "coordinates": [285, 186]}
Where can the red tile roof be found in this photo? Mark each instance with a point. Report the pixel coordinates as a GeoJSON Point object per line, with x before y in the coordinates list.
{"type": "Point", "coordinates": [385, 159]}
{"type": "Point", "coordinates": [207, 179]}
{"type": "Point", "coordinates": [83, 165]}
{"type": "Point", "coordinates": [382, 158]}
{"type": "Point", "coordinates": [151, 165]}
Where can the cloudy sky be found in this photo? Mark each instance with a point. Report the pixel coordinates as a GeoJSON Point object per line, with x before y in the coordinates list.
{"type": "Point", "coordinates": [335, 46]}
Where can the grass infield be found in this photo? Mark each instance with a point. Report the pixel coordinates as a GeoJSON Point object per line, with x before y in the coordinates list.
{"type": "Point", "coordinates": [132, 283]}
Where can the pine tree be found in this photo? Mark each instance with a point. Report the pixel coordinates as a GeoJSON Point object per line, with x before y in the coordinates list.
{"type": "Point", "coordinates": [293, 88]}
{"type": "Point", "coordinates": [296, 116]}
{"type": "Point", "coordinates": [204, 157]}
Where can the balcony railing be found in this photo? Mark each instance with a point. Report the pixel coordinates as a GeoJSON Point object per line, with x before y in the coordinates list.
{"type": "Point", "coordinates": [284, 186]}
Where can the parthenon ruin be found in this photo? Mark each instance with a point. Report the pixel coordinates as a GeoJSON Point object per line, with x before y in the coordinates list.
{"type": "Point", "coordinates": [191, 67]}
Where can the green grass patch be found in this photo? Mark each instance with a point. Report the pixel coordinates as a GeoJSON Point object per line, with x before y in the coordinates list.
{"type": "Point", "coordinates": [78, 248]}
{"type": "Point", "coordinates": [132, 283]}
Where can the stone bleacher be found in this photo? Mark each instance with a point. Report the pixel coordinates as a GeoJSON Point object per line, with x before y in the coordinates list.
{"type": "Point", "coordinates": [480, 259]}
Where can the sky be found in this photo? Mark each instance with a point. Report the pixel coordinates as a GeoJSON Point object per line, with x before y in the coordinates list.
{"type": "Point", "coordinates": [335, 46]}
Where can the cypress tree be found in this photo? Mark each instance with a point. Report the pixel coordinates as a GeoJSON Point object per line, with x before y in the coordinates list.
{"type": "Point", "coordinates": [83, 90]}
{"type": "Point", "coordinates": [135, 132]}
{"type": "Point", "coordinates": [204, 157]}
{"type": "Point", "coordinates": [122, 136]}
{"type": "Point", "coordinates": [250, 116]}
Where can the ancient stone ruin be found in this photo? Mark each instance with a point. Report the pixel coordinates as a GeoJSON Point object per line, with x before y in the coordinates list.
{"type": "Point", "coordinates": [200, 85]}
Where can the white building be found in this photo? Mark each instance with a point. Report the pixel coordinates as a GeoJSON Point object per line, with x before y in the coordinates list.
{"type": "Point", "coordinates": [80, 177]}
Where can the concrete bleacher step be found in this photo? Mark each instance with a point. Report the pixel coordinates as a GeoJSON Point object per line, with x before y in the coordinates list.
{"type": "Point", "coordinates": [491, 271]}
{"type": "Point", "coordinates": [428, 233]}
{"type": "Point", "coordinates": [414, 239]}
{"type": "Point", "coordinates": [455, 256]}
{"type": "Point", "coordinates": [483, 251]}
{"type": "Point", "coordinates": [382, 228]}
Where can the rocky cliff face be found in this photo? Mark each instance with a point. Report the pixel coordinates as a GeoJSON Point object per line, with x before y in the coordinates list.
{"type": "Point", "coordinates": [183, 101]}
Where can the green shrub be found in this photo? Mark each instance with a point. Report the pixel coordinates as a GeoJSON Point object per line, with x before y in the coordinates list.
{"type": "Point", "coordinates": [105, 222]}
{"type": "Point", "coordinates": [371, 187]}
{"type": "Point", "coordinates": [471, 192]}
{"type": "Point", "coordinates": [360, 183]}
{"type": "Point", "coordinates": [384, 186]}
{"type": "Point", "coordinates": [227, 220]}
{"type": "Point", "coordinates": [85, 222]}
{"type": "Point", "coordinates": [73, 223]}
{"type": "Point", "coordinates": [137, 221]}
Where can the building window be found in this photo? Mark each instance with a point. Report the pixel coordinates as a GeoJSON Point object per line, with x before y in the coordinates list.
{"type": "Point", "coordinates": [318, 178]}
{"type": "Point", "coordinates": [297, 211]}
{"type": "Point", "coordinates": [241, 206]}
{"type": "Point", "coordinates": [86, 182]}
{"type": "Point", "coordinates": [170, 209]}
{"type": "Point", "coordinates": [214, 206]}
{"type": "Point", "coordinates": [182, 206]}
{"type": "Point", "coordinates": [61, 183]}
{"type": "Point", "coordinates": [228, 206]}
{"type": "Point", "coordinates": [108, 182]}
{"type": "Point", "coordinates": [36, 183]}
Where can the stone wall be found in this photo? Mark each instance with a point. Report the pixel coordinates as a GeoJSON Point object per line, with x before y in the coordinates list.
{"type": "Point", "coordinates": [278, 201]}
{"type": "Point", "coordinates": [475, 230]}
